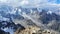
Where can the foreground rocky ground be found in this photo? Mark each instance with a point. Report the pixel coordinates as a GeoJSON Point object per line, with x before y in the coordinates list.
{"type": "Point", "coordinates": [35, 30]}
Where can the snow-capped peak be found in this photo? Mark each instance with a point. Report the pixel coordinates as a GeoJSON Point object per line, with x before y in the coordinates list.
{"type": "Point", "coordinates": [49, 12]}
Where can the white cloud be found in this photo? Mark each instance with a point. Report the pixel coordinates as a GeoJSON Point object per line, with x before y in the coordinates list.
{"type": "Point", "coordinates": [24, 2]}
{"type": "Point", "coordinates": [33, 3]}
{"type": "Point", "coordinates": [3, 0]}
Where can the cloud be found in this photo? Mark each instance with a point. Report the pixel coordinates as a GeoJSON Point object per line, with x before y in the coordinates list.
{"type": "Point", "coordinates": [3, 0]}
{"type": "Point", "coordinates": [30, 3]}
{"type": "Point", "coordinates": [24, 2]}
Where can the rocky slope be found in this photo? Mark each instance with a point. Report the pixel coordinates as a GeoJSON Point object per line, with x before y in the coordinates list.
{"type": "Point", "coordinates": [35, 30]}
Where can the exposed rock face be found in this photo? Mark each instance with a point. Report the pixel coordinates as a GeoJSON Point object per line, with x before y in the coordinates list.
{"type": "Point", "coordinates": [28, 30]}
{"type": "Point", "coordinates": [35, 30]}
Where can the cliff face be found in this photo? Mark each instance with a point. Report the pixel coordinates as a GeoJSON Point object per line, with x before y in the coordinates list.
{"type": "Point", "coordinates": [35, 30]}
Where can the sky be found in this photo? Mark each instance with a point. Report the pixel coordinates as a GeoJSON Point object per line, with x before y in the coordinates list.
{"type": "Point", "coordinates": [31, 2]}
{"type": "Point", "coordinates": [36, 1]}
{"type": "Point", "coordinates": [54, 1]}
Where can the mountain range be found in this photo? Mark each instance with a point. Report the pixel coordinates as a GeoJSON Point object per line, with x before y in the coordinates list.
{"type": "Point", "coordinates": [12, 18]}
